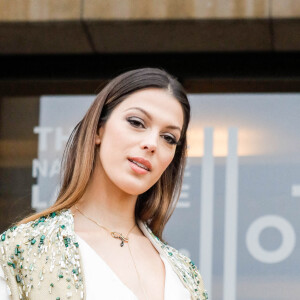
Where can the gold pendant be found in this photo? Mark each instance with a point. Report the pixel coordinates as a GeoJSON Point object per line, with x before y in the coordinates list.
{"type": "Point", "coordinates": [120, 236]}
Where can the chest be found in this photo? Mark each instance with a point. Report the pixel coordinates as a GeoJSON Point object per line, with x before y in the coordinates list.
{"type": "Point", "coordinates": [138, 266]}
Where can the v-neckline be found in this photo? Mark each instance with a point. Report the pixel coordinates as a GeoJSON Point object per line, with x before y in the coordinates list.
{"type": "Point", "coordinates": [113, 272]}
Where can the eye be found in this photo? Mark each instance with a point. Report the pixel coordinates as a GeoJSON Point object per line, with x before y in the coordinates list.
{"type": "Point", "coordinates": [139, 123]}
{"type": "Point", "coordinates": [170, 140]}
{"type": "Point", "coordinates": [135, 122]}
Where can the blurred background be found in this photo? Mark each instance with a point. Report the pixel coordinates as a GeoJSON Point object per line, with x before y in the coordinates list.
{"type": "Point", "coordinates": [239, 60]}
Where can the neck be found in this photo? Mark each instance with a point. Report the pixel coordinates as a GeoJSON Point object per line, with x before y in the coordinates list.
{"type": "Point", "coordinates": [105, 203]}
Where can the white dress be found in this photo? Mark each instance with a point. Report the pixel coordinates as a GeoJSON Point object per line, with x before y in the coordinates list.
{"type": "Point", "coordinates": [112, 288]}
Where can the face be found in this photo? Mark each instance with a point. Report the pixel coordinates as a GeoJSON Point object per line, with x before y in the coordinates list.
{"type": "Point", "coordinates": [138, 141]}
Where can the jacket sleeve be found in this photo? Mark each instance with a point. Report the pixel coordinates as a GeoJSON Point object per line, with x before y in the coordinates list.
{"type": "Point", "coordinates": [4, 294]}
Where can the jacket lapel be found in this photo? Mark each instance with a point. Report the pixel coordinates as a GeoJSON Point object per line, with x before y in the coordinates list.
{"type": "Point", "coordinates": [182, 265]}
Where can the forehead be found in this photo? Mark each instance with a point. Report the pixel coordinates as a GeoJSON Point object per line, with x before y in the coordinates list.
{"type": "Point", "coordinates": [157, 102]}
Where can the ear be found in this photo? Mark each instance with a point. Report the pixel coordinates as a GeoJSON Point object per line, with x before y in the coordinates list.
{"type": "Point", "coordinates": [97, 140]}
{"type": "Point", "coordinates": [98, 136]}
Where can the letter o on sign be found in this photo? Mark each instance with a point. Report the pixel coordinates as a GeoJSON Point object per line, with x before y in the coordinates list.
{"type": "Point", "coordinates": [283, 251]}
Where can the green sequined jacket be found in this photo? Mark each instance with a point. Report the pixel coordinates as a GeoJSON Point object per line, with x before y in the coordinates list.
{"type": "Point", "coordinates": [41, 260]}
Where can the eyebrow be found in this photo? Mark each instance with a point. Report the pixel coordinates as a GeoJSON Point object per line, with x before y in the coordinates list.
{"type": "Point", "coordinates": [150, 118]}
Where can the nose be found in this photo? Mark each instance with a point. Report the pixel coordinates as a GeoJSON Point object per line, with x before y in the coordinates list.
{"type": "Point", "coordinates": [149, 147]}
{"type": "Point", "coordinates": [149, 143]}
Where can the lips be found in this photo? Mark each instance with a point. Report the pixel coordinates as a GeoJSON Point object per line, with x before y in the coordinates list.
{"type": "Point", "coordinates": [141, 162]}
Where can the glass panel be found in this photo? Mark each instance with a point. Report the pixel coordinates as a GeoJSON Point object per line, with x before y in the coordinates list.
{"type": "Point", "coordinates": [237, 217]}
{"type": "Point", "coordinates": [18, 147]}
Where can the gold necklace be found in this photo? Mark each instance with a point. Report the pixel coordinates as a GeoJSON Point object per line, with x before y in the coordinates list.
{"type": "Point", "coordinates": [123, 239]}
{"type": "Point", "coordinates": [114, 234]}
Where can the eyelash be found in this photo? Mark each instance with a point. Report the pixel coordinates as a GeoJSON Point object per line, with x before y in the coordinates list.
{"type": "Point", "coordinates": [171, 141]}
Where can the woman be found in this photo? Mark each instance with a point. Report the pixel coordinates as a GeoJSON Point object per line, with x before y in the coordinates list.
{"type": "Point", "coordinates": [121, 177]}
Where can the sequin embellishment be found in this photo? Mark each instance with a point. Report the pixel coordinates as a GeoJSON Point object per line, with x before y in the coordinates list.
{"type": "Point", "coordinates": [44, 254]}
{"type": "Point", "coordinates": [183, 267]}
{"type": "Point", "coordinates": [41, 251]}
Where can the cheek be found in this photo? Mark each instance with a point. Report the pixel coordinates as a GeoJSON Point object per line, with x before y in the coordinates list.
{"type": "Point", "coordinates": [167, 160]}
{"type": "Point", "coordinates": [112, 148]}
{"type": "Point", "coordinates": [163, 162]}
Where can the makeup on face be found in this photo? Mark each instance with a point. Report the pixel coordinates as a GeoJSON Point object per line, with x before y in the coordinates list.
{"type": "Point", "coordinates": [139, 140]}
{"type": "Point", "coordinates": [138, 122]}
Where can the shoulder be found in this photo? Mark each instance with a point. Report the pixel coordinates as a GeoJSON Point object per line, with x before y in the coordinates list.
{"type": "Point", "coordinates": [182, 265]}
{"type": "Point", "coordinates": [36, 231]}
{"type": "Point", "coordinates": [35, 236]}
{"type": "Point", "coordinates": [41, 252]}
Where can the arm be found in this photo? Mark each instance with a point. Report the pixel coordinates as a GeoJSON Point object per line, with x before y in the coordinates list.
{"type": "Point", "coordinates": [3, 286]}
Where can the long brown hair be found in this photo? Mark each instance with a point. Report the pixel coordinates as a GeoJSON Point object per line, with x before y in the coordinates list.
{"type": "Point", "coordinates": [156, 205]}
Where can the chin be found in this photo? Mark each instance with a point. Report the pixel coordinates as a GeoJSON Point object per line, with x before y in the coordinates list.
{"type": "Point", "coordinates": [133, 188]}
{"type": "Point", "coordinates": [134, 191]}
